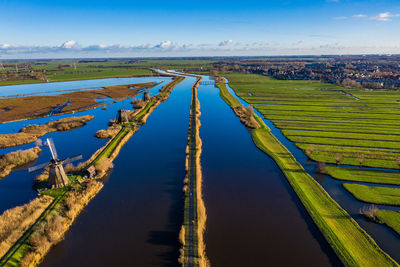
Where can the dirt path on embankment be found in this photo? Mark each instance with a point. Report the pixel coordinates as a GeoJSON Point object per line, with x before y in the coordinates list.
{"type": "Point", "coordinates": [193, 251]}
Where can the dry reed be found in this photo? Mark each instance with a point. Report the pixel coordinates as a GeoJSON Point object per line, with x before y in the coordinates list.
{"type": "Point", "coordinates": [14, 222]}
{"type": "Point", "coordinates": [31, 133]}
{"type": "Point", "coordinates": [111, 132]}
{"type": "Point", "coordinates": [17, 158]}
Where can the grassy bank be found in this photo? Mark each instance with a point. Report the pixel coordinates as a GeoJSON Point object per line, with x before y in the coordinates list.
{"type": "Point", "coordinates": [375, 194]}
{"type": "Point", "coordinates": [351, 243]}
{"type": "Point", "coordinates": [362, 175]}
{"type": "Point", "coordinates": [390, 218]}
{"type": "Point", "coordinates": [69, 201]}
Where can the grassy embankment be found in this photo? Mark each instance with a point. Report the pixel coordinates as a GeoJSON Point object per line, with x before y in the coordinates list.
{"type": "Point", "coordinates": [50, 227]}
{"type": "Point", "coordinates": [375, 194]}
{"type": "Point", "coordinates": [28, 107]}
{"type": "Point", "coordinates": [12, 160]}
{"type": "Point", "coordinates": [351, 243]}
{"type": "Point", "coordinates": [363, 175]}
{"type": "Point", "coordinates": [390, 218]}
{"type": "Point", "coordinates": [31, 133]}
{"type": "Point", "coordinates": [191, 234]}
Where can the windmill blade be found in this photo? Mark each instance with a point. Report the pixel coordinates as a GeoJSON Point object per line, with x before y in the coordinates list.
{"type": "Point", "coordinates": [72, 159]}
{"type": "Point", "coordinates": [38, 167]}
{"type": "Point", "coordinates": [53, 150]}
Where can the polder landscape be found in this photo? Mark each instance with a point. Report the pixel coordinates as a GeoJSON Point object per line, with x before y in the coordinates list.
{"type": "Point", "coordinates": [280, 147]}
{"type": "Point", "coordinates": [159, 171]}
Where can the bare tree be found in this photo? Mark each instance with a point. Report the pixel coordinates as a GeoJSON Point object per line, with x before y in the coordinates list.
{"type": "Point", "coordinates": [338, 158]}
{"type": "Point", "coordinates": [361, 159]}
{"type": "Point", "coordinates": [321, 167]}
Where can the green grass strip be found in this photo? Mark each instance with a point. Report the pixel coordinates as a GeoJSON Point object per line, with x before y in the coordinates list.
{"type": "Point", "coordinates": [362, 175]}
{"type": "Point", "coordinates": [145, 110]}
{"type": "Point", "coordinates": [375, 194]}
{"type": "Point", "coordinates": [350, 242]}
{"type": "Point", "coordinates": [391, 218]}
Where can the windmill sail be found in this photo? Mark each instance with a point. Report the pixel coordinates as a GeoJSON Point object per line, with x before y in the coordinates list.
{"type": "Point", "coordinates": [53, 150]}
{"type": "Point", "coordinates": [38, 167]}
{"type": "Point", "coordinates": [72, 159]}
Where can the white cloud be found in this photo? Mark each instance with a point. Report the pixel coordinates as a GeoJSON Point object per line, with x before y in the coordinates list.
{"type": "Point", "coordinates": [164, 44]}
{"type": "Point", "coordinates": [69, 44]}
{"type": "Point", "coordinates": [225, 43]}
{"type": "Point", "coordinates": [359, 16]}
{"type": "Point", "coordinates": [386, 16]}
{"type": "Point", "coordinates": [170, 48]}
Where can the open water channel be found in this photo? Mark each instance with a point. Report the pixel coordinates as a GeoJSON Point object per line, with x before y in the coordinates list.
{"type": "Point", "coordinates": [254, 217]}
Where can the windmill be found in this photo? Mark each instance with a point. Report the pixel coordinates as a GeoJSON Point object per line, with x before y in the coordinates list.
{"type": "Point", "coordinates": [57, 176]}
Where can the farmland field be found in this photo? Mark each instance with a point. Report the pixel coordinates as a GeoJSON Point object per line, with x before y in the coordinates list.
{"type": "Point", "coordinates": [326, 120]}
{"type": "Point", "coordinates": [353, 133]}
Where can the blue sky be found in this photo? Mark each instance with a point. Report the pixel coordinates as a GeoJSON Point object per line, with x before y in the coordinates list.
{"type": "Point", "coordinates": [58, 28]}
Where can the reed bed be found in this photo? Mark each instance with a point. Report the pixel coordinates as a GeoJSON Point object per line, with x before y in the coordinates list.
{"type": "Point", "coordinates": [14, 222]}
{"type": "Point", "coordinates": [14, 159]}
{"type": "Point", "coordinates": [31, 133]}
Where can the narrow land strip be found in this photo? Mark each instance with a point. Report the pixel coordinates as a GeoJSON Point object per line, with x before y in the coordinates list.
{"type": "Point", "coordinates": [191, 235]}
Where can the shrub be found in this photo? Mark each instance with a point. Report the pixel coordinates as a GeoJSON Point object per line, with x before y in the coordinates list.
{"type": "Point", "coordinates": [321, 167]}
{"type": "Point", "coordinates": [361, 159]}
{"type": "Point", "coordinates": [369, 212]}
{"type": "Point", "coordinates": [338, 158]}
{"type": "Point", "coordinates": [103, 165]}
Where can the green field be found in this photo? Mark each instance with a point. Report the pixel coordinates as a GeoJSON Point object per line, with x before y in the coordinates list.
{"type": "Point", "coordinates": [390, 218]}
{"type": "Point", "coordinates": [312, 112]}
{"type": "Point", "coordinates": [64, 70]}
{"type": "Point", "coordinates": [375, 194]}
{"type": "Point", "coordinates": [350, 242]}
{"type": "Point", "coordinates": [361, 175]}
{"type": "Point", "coordinates": [328, 123]}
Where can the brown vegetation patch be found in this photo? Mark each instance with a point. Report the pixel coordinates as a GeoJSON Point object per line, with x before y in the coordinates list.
{"type": "Point", "coordinates": [103, 166]}
{"type": "Point", "coordinates": [246, 116]}
{"type": "Point", "coordinates": [138, 103]}
{"type": "Point", "coordinates": [112, 131]}
{"type": "Point", "coordinates": [17, 158]}
{"type": "Point", "coordinates": [14, 222]}
{"type": "Point", "coordinates": [51, 230]}
{"type": "Point", "coordinates": [32, 132]}
{"type": "Point", "coordinates": [39, 106]}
